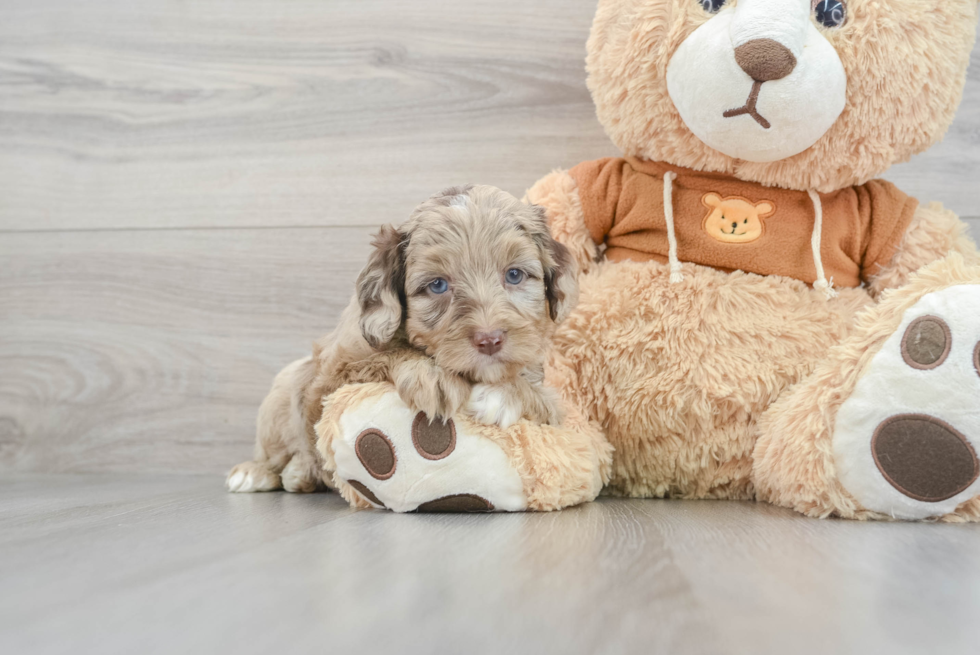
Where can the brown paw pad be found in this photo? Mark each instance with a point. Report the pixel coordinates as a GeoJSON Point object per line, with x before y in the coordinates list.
{"type": "Point", "coordinates": [364, 491]}
{"type": "Point", "coordinates": [376, 453]}
{"type": "Point", "coordinates": [433, 440]}
{"type": "Point", "coordinates": [926, 343]}
{"type": "Point", "coordinates": [457, 503]}
{"type": "Point", "coordinates": [923, 457]}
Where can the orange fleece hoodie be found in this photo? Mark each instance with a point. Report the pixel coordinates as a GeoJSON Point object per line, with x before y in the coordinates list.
{"type": "Point", "coordinates": [731, 225]}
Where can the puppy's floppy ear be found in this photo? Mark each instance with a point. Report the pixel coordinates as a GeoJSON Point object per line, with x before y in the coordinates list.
{"type": "Point", "coordinates": [380, 287]}
{"type": "Point", "coordinates": [560, 270]}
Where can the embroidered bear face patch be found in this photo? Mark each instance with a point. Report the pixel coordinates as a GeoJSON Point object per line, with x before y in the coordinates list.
{"type": "Point", "coordinates": [734, 219]}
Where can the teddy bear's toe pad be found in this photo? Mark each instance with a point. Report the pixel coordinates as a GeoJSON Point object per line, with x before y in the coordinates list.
{"type": "Point", "coordinates": [905, 442]}
{"type": "Point", "coordinates": [457, 503]}
{"type": "Point", "coordinates": [396, 458]}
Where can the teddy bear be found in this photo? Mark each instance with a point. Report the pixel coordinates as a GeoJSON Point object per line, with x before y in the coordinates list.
{"type": "Point", "coordinates": [760, 317]}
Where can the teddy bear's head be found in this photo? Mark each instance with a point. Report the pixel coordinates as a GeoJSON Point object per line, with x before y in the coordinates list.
{"type": "Point", "coordinates": [802, 94]}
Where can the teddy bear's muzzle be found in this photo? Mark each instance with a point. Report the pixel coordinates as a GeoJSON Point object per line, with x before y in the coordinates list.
{"type": "Point", "coordinates": [757, 81]}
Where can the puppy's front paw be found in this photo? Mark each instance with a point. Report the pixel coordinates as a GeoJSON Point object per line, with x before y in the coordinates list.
{"type": "Point", "coordinates": [493, 405]}
{"type": "Point", "coordinates": [430, 389]}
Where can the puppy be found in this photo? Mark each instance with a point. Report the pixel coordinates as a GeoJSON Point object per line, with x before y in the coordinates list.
{"type": "Point", "coordinates": [456, 307]}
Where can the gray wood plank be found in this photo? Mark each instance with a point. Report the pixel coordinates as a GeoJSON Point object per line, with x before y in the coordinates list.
{"type": "Point", "coordinates": [112, 564]}
{"type": "Point", "coordinates": [263, 113]}
{"type": "Point", "coordinates": [151, 350]}
{"type": "Point", "coordinates": [259, 113]}
{"type": "Point", "coordinates": [974, 224]}
{"type": "Point", "coordinates": [950, 171]}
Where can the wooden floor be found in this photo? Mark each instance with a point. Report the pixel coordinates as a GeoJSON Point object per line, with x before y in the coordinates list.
{"type": "Point", "coordinates": [187, 190]}
{"type": "Point", "coordinates": [162, 564]}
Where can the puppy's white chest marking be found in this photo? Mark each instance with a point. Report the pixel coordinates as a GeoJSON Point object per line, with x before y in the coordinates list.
{"type": "Point", "coordinates": [492, 405]}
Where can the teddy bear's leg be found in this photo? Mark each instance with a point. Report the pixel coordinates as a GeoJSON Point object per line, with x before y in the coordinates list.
{"type": "Point", "coordinates": [887, 426]}
{"type": "Point", "coordinates": [384, 454]}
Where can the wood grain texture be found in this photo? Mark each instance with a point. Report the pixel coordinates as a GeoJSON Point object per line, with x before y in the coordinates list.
{"type": "Point", "coordinates": [152, 350]}
{"type": "Point", "coordinates": [256, 113]}
{"type": "Point", "coordinates": [106, 564]}
{"type": "Point", "coordinates": [261, 113]}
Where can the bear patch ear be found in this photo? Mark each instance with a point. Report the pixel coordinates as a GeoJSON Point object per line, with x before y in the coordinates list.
{"type": "Point", "coordinates": [765, 208]}
{"type": "Point", "coordinates": [381, 288]}
{"type": "Point", "coordinates": [711, 200]}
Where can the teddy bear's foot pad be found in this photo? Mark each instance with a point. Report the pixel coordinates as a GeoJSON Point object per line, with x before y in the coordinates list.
{"type": "Point", "coordinates": [396, 458]}
{"type": "Point", "coordinates": [905, 442]}
{"type": "Point", "coordinates": [923, 457]}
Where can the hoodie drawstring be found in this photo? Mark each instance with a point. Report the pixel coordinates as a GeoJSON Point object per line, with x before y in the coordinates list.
{"type": "Point", "coordinates": [821, 284]}
{"type": "Point", "coordinates": [675, 263]}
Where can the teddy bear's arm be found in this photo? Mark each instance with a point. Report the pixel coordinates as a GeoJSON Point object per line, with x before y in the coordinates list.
{"type": "Point", "coordinates": [933, 233]}
{"type": "Point", "coordinates": [558, 193]}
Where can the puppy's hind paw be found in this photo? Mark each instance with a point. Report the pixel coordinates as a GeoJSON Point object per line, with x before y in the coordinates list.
{"type": "Point", "coordinates": [252, 476]}
{"type": "Point", "coordinates": [492, 405]}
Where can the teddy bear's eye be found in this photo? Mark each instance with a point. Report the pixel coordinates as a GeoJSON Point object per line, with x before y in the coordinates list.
{"type": "Point", "coordinates": [830, 13]}
{"type": "Point", "coordinates": [712, 6]}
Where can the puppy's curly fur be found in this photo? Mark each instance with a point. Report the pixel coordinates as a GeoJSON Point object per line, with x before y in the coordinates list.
{"type": "Point", "coordinates": [456, 307]}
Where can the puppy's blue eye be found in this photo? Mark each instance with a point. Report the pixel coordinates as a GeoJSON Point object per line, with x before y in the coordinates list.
{"type": "Point", "coordinates": [712, 6]}
{"type": "Point", "coordinates": [439, 285]}
{"type": "Point", "coordinates": [830, 13]}
{"type": "Point", "coordinates": [514, 276]}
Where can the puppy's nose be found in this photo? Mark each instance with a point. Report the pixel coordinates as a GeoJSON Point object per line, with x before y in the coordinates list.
{"type": "Point", "coordinates": [488, 343]}
{"type": "Point", "coordinates": [765, 60]}
{"type": "Point", "coordinates": [734, 225]}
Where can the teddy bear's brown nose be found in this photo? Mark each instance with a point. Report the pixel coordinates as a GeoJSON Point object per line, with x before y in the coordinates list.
{"type": "Point", "coordinates": [765, 59]}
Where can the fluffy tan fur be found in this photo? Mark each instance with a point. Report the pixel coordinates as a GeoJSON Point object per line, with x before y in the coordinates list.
{"type": "Point", "coordinates": [894, 109]}
{"type": "Point", "coordinates": [422, 336]}
{"type": "Point", "coordinates": [677, 374]}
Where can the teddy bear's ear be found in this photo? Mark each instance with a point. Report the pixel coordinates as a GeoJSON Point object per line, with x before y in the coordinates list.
{"type": "Point", "coordinates": [765, 208]}
{"type": "Point", "coordinates": [711, 200]}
